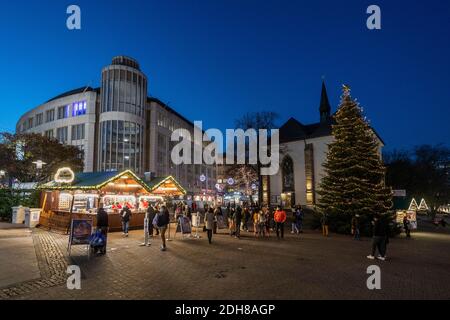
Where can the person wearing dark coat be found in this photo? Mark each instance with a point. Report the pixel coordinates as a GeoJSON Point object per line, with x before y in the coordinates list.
{"type": "Point", "coordinates": [102, 225]}
{"type": "Point", "coordinates": [407, 226]}
{"type": "Point", "coordinates": [237, 221]}
{"type": "Point", "coordinates": [356, 227]}
{"type": "Point", "coordinates": [125, 214]}
{"type": "Point", "coordinates": [380, 233]}
{"type": "Point", "coordinates": [151, 213]}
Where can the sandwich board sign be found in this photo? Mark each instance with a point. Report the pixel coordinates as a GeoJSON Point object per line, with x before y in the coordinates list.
{"type": "Point", "coordinates": [80, 232]}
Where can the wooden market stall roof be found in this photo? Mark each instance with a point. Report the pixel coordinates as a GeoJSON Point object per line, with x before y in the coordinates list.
{"type": "Point", "coordinates": [97, 181]}
{"type": "Point", "coordinates": [166, 186]}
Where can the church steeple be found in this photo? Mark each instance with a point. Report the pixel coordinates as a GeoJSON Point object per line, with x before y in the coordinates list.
{"type": "Point", "coordinates": [325, 108]}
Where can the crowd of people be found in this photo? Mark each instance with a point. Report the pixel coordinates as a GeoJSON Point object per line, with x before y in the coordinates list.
{"type": "Point", "coordinates": [252, 219]}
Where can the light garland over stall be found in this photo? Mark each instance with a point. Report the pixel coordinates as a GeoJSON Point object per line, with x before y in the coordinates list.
{"type": "Point", "coordinates": [80, 195]}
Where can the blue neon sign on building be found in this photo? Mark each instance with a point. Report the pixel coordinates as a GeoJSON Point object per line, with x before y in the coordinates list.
{"type": "Point", "coordinates": [79, 108]}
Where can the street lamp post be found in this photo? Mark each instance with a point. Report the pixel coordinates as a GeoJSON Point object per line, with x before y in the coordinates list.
{"type": "Point", "coordinates": [2, 176]}
{"type": "Point", "coordinates": [39, 164]}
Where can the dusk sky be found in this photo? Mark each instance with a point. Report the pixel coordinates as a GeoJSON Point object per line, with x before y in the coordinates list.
{"type": "Point", "coordinates": [214, 60]}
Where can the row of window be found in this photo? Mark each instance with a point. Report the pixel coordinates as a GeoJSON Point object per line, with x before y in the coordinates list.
{"type": "Point", "coordinates": [121, 146]}
{"type": "Point", "coordinates": [123, 91]}
{"type": "Point", "coordinates": [166, 122]}
{"type": "Point", "coordinates": [77, 133]}
{"type": "Point", "coordinates": [78, 109]}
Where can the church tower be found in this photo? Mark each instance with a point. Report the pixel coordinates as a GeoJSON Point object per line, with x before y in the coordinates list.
{"type": "Point", "coordinates": [325, 108]}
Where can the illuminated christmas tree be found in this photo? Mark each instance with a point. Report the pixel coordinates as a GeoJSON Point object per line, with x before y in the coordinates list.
{"type": "Point", "coordinates": [354, 172]}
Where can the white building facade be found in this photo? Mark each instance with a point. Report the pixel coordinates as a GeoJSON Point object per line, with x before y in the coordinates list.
{"type": "Point", "coordinates": [119, 127]}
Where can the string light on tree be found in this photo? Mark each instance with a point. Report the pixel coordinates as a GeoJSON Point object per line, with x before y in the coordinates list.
{"type": "Point", "coordinates": [354, 172]}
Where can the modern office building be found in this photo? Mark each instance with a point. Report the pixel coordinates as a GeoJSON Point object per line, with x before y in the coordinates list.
{"type": "Point", "coordinates": [119, 127]}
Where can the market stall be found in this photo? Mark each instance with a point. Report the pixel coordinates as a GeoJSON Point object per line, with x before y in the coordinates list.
{"type": "Point", "coordinates": [76, 196]}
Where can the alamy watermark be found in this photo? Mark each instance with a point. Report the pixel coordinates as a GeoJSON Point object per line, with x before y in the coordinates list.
{"type": "Point", "coordinates": [74, 278]}
{"type": "Point", "coordinates": [374, 20]}
{"type": "Point", "coordinates": [241, 147]}
{"type": "Point", "coordinates": [73, 22]}
{"type": "Point", "coordinates": [374, 280]}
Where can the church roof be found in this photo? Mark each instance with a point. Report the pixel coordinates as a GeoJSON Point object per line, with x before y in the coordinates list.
{"type": "Point", "coordinates": [294, 130]}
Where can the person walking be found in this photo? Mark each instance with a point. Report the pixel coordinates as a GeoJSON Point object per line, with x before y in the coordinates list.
{"type": "Point", "coordinates": [324, 221]}
{"type": "Point", "coordinates": [379, 238]}
{"type": "Point", "coordinates": [266, 211]}
{"type": "Point", "coordinates": [209, 223]}
{"type": "Point", "coordinates": [162, 222]}
{"type": "Point", "coordinates": [246, 218]}
{"type": "Point", "coordinates": [407, 226]}
{"type": "Point", "coordinates": [297, 220]}
{"type": "Point", "coordinates": [237, 221]}
{"type": "Point", "coordinates": [230, 217]}
{"type": "Point", "coordinates": [218, 215]}
{"type": "Point", "coordinates": [355, 227]}
{"type": "Point", "coordinates": [280, 219]}
{"type": "Point", "coordinates": [255, 219]}
{"type": "Point", "coordinates": [125, 214]}
{"type": "Point", "coordinates": [102, 225]}
{"type": "Point", "coordinates": [261, 223]}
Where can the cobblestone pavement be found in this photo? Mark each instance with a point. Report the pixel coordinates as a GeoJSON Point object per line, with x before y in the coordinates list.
{"type": "Point", "coordinates": [305, 267]}
{"type": "Point", "coordinates": [52, 266]}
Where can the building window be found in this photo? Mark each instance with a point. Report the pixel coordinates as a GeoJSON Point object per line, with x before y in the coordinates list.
{"type": "Point", "coordinates": [81, 155]}
{"type": "Point", "coordinates": [30, 123]}
{"type": "Point", "coordinates": [79, 108]}
{"type": "Point", "coordinates": [50, 115]}
{"type": "Point", "coordinates": [121, 146]}
{"type": "Point", "coordinates": [61, 134]}
{"type": "Point", "coordinates": [309, 174]}
{"type": "Point", "coordinates": [49, 134]}
{"type": "Point", "coordinates": [39, 119]}
{"type": "Point", "coordinates": [171, 125]}
{"type": "Point", "coordinates": [63, 112]}
{"type": "Point", "coordinates": [78, 132]}
{"type": "Point", "coordinates": [162, 120]}
{"type": "Point", "coordinates": [287, 167]}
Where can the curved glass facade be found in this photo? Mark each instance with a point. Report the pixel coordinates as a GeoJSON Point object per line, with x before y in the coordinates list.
{"type": "Point", "coordinates": [121, 146]}
{"type": "Point", "coordinates": [124, 88]}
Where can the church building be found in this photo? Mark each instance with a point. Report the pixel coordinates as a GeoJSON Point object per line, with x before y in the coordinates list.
{"type": "Point", "coordinates": [303, 151]}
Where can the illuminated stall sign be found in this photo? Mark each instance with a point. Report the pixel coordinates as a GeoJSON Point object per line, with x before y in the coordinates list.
{"type": "Point", "coordinates": [64, 175]}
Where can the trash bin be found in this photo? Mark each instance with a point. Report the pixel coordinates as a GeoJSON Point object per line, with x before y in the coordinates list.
{"type": "Point", "coordinates": [18, 215]}
{"type": "Point", "coordinates": [32, 217]}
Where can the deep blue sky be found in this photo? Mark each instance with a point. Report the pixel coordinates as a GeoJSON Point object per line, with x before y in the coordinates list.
{"type": "Point", "coordinates": [213, 60]}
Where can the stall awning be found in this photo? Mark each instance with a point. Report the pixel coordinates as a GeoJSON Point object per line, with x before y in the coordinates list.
{"type": "Point", "coordinates": [99, 180]}
{"type": "Point", "coordinates": [166, 186]}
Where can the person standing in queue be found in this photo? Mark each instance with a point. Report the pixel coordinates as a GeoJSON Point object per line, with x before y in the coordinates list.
{"type": "Point", "coordinates": [162, 222]}
{"type": "Point", "coordinates": [151, 213]}
{"type": "Point", "coordinates": [237, 221]}
{"type": "Point", "coordinates": [280, 219]}
{"type": "Point", "coordinates": [125, 214]}
{"type": "Point", "coordinates": [209, 223]}
{"type": "Point", "coordinates": [102, 225]}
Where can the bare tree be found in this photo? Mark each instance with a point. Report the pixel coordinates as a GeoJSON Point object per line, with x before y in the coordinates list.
{"type": "Point", "coordinates": [257, 121]}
